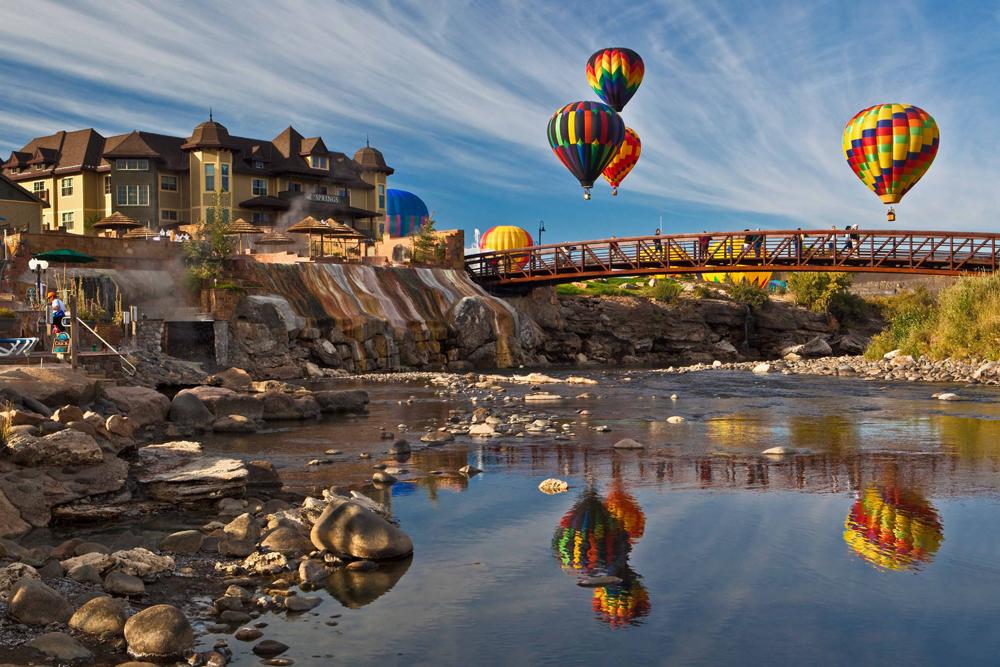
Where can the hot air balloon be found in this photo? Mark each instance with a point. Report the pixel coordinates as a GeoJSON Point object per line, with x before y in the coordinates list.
{"type": "Point", "coordinates": [405, 212]}
{"type": "Point", "coordinates": [623, 506]}
{"type": "Point", "coordinates": [589, 539]}
{"type": "Point", "coordinates": [507, 237]}
{"type": "Point", "coordinates": [622, 604]}
{"type": "Point", "coordinates": [585, 136]}
{"type": "Point", "coordinates": [615, 75]}
{"type": "Point", "coordinates": [623, 161]}
{"type": "Point", "coordinates": [893, 529]}
{"type": "Point", "coordinates": [890, 147]}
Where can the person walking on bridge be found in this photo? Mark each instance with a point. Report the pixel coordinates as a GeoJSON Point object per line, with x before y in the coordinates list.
{"type": "Point", "coordinates": [758, 244]}
{"type": "Point", "coordinates": [798, 245]}
{"type": "Point", "coordinates": [658, 244]}
{"type": "Point", "coordinates": [703, 242]}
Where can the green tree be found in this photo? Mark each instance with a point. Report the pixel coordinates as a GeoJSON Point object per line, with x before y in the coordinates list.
{"type": "Point", "coordinates": [207, 250]}
{"type": "Point", "coordinates": [819, 291]}
{"type": "Point", "coordinates": [427, 248]}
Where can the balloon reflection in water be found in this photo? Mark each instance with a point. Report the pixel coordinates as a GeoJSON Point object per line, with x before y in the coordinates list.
{"type": "Point", "coordinates": [622, 604]}
{"type": "Point", "coordinates": [623, 506]}
{"type": "Point", "coordinates": [893, 529]}
{"type": "Point", "coordinates": [589, 539]}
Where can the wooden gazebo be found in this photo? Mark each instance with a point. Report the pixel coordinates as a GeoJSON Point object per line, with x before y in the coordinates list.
{"type": "Point", "coordinates": [118, 223]}
{"type": "Point", "coordinates": [240, 227]}
{"type": "Point", "coordinates": [311, 226]}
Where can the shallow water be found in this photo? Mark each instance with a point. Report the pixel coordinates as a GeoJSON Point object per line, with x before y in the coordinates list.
{"type": "Point", "coordinates": [880, 546]}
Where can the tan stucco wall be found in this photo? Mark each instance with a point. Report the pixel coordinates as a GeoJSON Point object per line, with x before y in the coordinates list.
{"type": "Point", "coordinates": [20, 214]}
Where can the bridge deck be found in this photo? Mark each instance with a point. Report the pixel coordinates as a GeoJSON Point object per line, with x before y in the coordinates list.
{"type": "Point", "coordinates": [869, 251]}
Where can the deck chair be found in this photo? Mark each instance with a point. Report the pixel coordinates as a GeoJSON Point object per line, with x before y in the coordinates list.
{"type": "Point", "coordinates": [12, 347]}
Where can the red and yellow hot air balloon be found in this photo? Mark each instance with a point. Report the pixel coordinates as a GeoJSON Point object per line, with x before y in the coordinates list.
{"type": "Point", "coordinates": [890, 147]}
{"type": "Point", "coordinates": [623, 161]}
{"type": "Point", "coordinates": [623, 506]}
{"type": "Point", "coordinates": [893, 529]}
{"type": "Point", "coordinates": [622, 604]}
{"type": "Point", "coordinates": [615, 75]}
{"type": "Point", "coordinates": [507, 237]}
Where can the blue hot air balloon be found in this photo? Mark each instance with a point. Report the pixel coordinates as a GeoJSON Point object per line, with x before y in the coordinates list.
{"type": "Point", "coordinates": [404, 213]}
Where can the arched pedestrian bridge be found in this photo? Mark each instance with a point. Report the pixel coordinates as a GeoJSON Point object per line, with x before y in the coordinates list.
{"type": "Point", "coordinates": [864, 251]}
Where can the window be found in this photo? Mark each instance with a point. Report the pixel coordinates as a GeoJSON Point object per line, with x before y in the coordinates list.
{"type": "Point", "coordinates": [168, 183]}
{"type": "Point", "coordinates": [210, 215]}
{"type": "Point", "coordinates": [38, 186]}
{"type": "Point", "coordinates": [294, 187]}
{"type": "Point", "coordinates": [209, 178]}
{"type": "Point", "coordinates": [321, 189]}
{"type": "Point", "coordinates": [107, 185]}
{"type": "Point", "coordinates": [381, 196]}
{"type": "Point", "coordinates": [225, 178]}
{"type": "Point", "coordinates": [132, 165]}
{"type": "Point", "coordinates": [259, 187]}
{"type": "Point", "coordinates": [66, 187]}
{"type": "Point", "coordinates": [39, 167]}
{"type": "Point", "coordinates": [259, 218]}
{"type": "Point", "coordinates": [67, 220]}
{"type": "Point", "coordinates": [257, 164]}
{"type": "Point", "coordinates": [133, 195]}
{"type": "Point", "coordinates": [342, 193]}
{"type": "Point", "coordinates": [320, 162]}
{"type": "Point", "coordinates": [168, 215]}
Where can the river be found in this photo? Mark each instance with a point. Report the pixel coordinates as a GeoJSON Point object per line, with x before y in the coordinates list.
{"type": "Point", "coordinates": [879, 546]}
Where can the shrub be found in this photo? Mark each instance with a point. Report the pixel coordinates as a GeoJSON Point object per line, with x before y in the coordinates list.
{"type": "Point", "coordinates": [704, 292]}
{"type": "Point", "coordinates": [911, 317]}
{"type": "Point", "coordinates": [750, 294]}
{"type": "Point", "coordinates": [818, 291]}
{"type": "Point", "coordinates": [666, 290]}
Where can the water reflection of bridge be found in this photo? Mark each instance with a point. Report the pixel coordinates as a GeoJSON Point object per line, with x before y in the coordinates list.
{"type": "Point", "coordinates": [869, 251]}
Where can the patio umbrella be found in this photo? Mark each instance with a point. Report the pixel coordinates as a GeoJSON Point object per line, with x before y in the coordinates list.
{"type": "Point", "coordinates": [117, 222]}
{"type": "Point", "coordinates": [275, 238]}
{"type": "Point", "coordinates": [342, 232]}
{"type": "Point", "coordinates": [140, 233]}
{"type": "Point", "coordinates": [239, 227]}
{"type": "Point", "coordinates": [65, 256]}
{"type": "Point", "coordinates": [311, 226]}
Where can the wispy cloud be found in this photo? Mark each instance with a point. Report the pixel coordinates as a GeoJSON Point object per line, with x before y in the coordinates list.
{"type": "Point", "coordinates": [740, 112]}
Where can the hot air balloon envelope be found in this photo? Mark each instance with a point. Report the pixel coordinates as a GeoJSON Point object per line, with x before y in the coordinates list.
{"type": "Point", "coordinates": [615, 75]}
{"type": "Point", "coordinates": [507, 237]}
{"type": "Point", "coordinates": [585, 136]}
{"type": "Point", "coordinates": [623, 161]}
{"type": "Point", "coordinates": [405, 212]}
{"type": "Point", "coordinates": [890, 147]}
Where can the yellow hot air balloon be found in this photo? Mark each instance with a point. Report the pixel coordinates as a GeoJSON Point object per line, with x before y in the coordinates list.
{"type": "Point", "coordinates": [507, 237]}
{"type": "Point", "coordinates": [733, 248]}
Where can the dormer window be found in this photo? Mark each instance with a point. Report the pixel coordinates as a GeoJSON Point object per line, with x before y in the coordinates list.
{"type": "Point", "coordinates": [320, 162]}
{"type": "Point", "coordinates": [39, 167]}
{"type": "Point", "coordinates": [258, 164]}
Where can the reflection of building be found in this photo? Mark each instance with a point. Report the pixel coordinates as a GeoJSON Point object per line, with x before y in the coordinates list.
{"type": "Point", "coordinates": [893, 529]}
{"type": "Point", "coordinates": [164, 181]}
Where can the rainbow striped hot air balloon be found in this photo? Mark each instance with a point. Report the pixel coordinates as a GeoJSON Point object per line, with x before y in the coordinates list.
{"type": "Point", "coordinates": [623, 161]}
{"type": "Point", "coordinates": [622, 604]}
{"type": "Point", "coordinates": [623, 506]}
{"type": "Point", "coordinates": [589, 539]}
{"type": "Point", "coordinates": [890, 147]}
{"type": "Point", "coordinates": [507, 237]}
{"type": "Point", "coordinates": [615, 75]}
{"type": "Point", "coordinates": [893, 529]}
{"type": "Point", "coordinates": [585, 136]}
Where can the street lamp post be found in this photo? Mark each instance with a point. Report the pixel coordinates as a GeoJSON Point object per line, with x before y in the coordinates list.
{"type": "Point", "coordinates": [39, 266]}
{"type": "Point", "coordinates": [541, 228]}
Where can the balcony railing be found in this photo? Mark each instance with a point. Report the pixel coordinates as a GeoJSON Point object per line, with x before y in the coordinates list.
{"type": "Point", "coordinates": [318, 197]}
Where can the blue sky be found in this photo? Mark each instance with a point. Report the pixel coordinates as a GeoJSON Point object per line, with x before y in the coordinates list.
{"type": "Point", "coordinates": [740, 112]}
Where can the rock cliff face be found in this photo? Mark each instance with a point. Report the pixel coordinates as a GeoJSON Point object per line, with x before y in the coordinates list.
{"type": "Point", "coordinates": [360, 318]}
{"type": "Point", "coordinates": [640, 331]}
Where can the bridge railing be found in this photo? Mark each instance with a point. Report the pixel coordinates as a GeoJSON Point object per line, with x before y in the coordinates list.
{"type": "Point", "coordinates": [928, 252]}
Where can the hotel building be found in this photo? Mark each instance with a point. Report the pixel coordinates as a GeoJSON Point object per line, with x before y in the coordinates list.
{"type": "Point", "coordinates": [165, 181]}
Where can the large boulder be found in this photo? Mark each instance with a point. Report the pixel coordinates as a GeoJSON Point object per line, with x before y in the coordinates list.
{"type": "Point", "coordinates": [815, 347]}
{"type": "Point", "coordinates": [102, 615]}
{"type": "Point", "coordinates": [279, 406]}
{"type": "Point", "coordinates": [34, 603]}
{"type": "Point", "coordinates": [236, 379]}
{"type": "Point", "coordinates": [68, 447]}
{"type": "Point", "coordinates": [348, 529]}
{"type": "Point", "coordinates": [288, 541]}
{"type": "Point", "coordinates": [60, 646]}
{"type": "Point", "coordinates": [221, 401]}
{"type": "Point", "coordinates": [187, 409]}
{"type": "Point", "coordinates": [182, 542]}
{"type": "Point", "coordinates": [140, 562]}
{"type": "Point", "coordinates": [13, 573]}
{"type": "Point", "coordinates": [11, 523]}
{"type": "Point", "coordinates": [52, 385]}
{"type": "Point", "coordinates": [342, 400]}
{"type": "Point", "coordinates": [179, 471]}
{"type": "Point", "coordinates": [142, 405]}
{"type": "Point", "coordinates": [159, 632]}
{"type": "Point", "coordinates": [241, 535]}
{"type": "Point", "coordinates": [473, 324]}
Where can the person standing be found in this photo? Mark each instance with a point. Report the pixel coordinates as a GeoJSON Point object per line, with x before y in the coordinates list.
{"type": "Point", "coordinates": [798, 244]}
{"type": "Point", "coordinates": [703, 242]}
{"type": "Point", "coordinates": [758, 243]}
{"type": "Point", "coordinates": [658, 244]}
{"type": "Point", "coordinates": [58, 310]}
